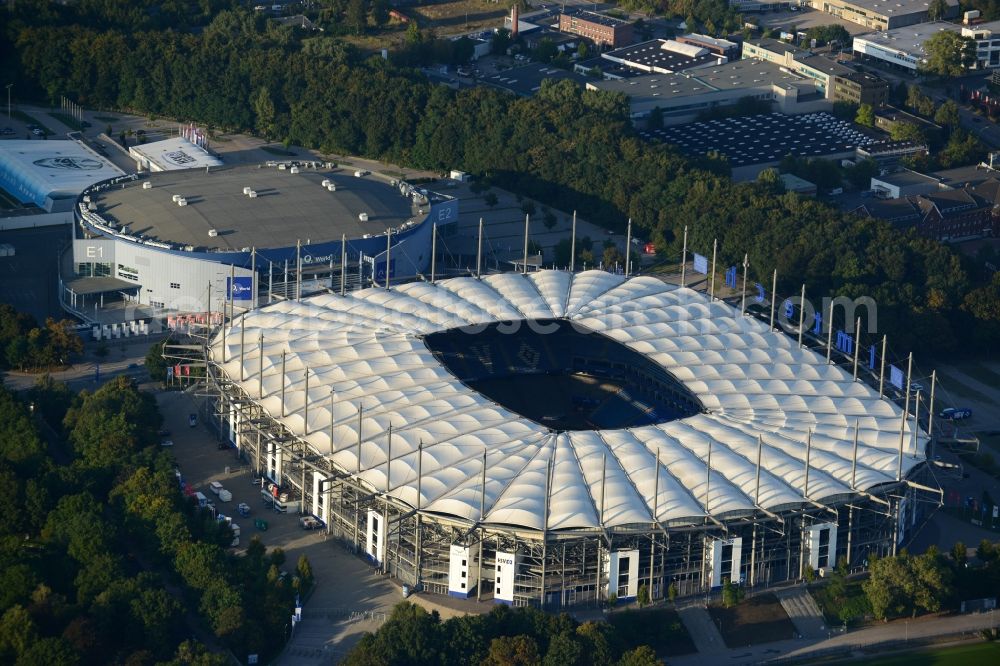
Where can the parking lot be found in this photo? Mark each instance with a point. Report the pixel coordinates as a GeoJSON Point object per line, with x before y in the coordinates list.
{"type": "Point", "coordinates": [349, 598]}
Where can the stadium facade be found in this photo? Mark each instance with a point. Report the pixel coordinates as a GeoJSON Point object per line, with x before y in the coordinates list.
{"type": "Point", "coordinates": [556, 439]}
{"type": "Point", "coordinates": [201, 240]}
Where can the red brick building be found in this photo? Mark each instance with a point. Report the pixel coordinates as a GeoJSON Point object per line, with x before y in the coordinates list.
{"type": "Point", "coordinates": [600, 29]}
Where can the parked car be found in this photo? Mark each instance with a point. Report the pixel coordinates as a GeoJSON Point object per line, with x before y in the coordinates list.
{"type": "Point", "coordinates": [956, 413]}
{"type": "Point", "coordinates": [166, 442]}
{"type": "Point", "coordinates": [38, 131]}
{"type": "Point", "coordinates": [7, 131]}
{"type": "Point", "coordinates": [309, 523]}
{"type": "Point", "coordinates": [163, 433]}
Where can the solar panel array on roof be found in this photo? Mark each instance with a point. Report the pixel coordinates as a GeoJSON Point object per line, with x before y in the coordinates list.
{"type": "Point", "coordinates": [764, 138]}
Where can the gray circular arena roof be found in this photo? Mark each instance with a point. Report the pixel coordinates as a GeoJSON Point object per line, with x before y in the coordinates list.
{"type": "Point", "coordinates": [366, 348]}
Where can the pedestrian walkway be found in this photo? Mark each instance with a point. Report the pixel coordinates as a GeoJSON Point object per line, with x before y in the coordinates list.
{"type": "Point", "coordinates": [803, 612]}
{"type": "Point", "coordinates": [701, 627]}
{"type": "Point", "coordinates": [897, 635]}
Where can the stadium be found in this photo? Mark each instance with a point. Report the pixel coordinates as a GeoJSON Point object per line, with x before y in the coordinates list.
{"type": "Point", "coordinates": [553, 438]}
{"type": "Point", "coordinates": [196, 240]}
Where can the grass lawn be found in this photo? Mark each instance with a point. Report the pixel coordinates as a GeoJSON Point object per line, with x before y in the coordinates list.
{"type": "Point", "coordinates": [660, 628]}
{"type": "Point", "coordinates": [752, 622]}
{"type": "Point", "coordinates": [852, 604]}
{"type": "Point", "coordinates": [961, 655]}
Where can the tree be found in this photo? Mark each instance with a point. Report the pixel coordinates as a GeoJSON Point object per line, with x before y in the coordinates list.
{"type": "Point", "coordinates": [672, 592]}
{"type": "Point", "coordinates": [959, 553]}
{"type": "Point", "coordinates": [825, 34]}
{"type": "Point", "coordinates": [866, 115]}
{"type": "Point", "coordinates": [490, 199]}
{"type": "Point", "coordinates": [17, 633]}
{"type": "Point", "coordinates": [356, 15]}
{"type": "Point", "coordinates": [642, 596]}
{"type": "Point", "coordinates": [155, 364]}
{"type": "Point", "coordinates": [305, 571]}
{"type": "Point", "coordinates": [987, 552]}
{"type": "Point", "coordinates": [962, 148]}
{"type": "Point", "coordinates": [548, 219]}
{"type": "Point", "coordinates": [937, 10]}
{"type": "Point", "coordinates": [264, 110]}
{"type": "Point", "coordinates": [512, 651]}
{"type": "Point", "coordinates": [904, 131]}
{"type": "Point", "coordinates": [640, 656]}
{"type": "Point", "coordinates": [545, 51]}
{"type": "Point", "coordinates": [730, 594]}
{"type": "Point", "coordinates": [948, 54]}
{"type": "Point", "coordinates": [947, 114]}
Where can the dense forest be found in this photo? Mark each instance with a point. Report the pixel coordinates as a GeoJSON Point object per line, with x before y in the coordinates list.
{"type": "Point", "coordinates": [24, 345]}
{"type": "Point", "coordinates": [503, 637]}
{"type": "Point", "coordinates": [102, 560]}
{"type": "Point", "coordinates": [569, 148]}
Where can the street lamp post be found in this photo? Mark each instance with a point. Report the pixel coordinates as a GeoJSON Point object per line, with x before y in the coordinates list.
{"type": "Point", "coordinates": [9, 86]}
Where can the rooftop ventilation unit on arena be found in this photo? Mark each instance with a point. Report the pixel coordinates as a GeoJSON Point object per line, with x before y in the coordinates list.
{"type": "Point", "coordinates": [182, 202]}
{"type": "Point", "coordinates": [363, 217]}
{"type": "Point", "coordinates": [294, 169]}
{"type": "Point", "coordinates": [252, 194]}
{"type": "Point", "coordinates": [175, 198]}
{"type": "Point", "coordinates": [247, 190]}
{"type": "Point", "coordinates": [147, 185]}
{"type": "Point", "coordinates": [213, 233]}
{"type": "Point", "coordinates": [332, 187]}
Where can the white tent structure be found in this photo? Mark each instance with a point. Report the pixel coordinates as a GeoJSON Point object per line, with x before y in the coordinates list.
{"type": "Point", "coordinates": [352, 396]}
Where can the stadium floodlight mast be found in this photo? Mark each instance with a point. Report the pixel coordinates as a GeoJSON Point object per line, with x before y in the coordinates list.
{"type": "Point", "coordinates": [802, 313]}
{"type": "Point", "coordinates": [715, 252]}
{"type": "Point", "coordinates": [434, 244]}
{"type": "Point", "coordinates": [305, 406]}
{"type": "Point", "coordinates": [857, 346]}
{"type": "Point", "coordinates": [905, 413]}
{"type": "Point", "coordinates": [343, 264]}
{"type": "Point", "coordinates": [243, 334]}
{"type": "Point", "coordinates": [253, 277]}
{"type": "Point", "coordinates": [881, 372]}
{"type": "Point", "coordinates": [260, 364]}
{"type": "Point", "coordinates": [628, 247]}
{"type": "Point", "coordinates": [298, 269]}
{"type": "Point", "coordinates": [572, 246]}
{"type": "Point", "coordinates": [930, 413]}
{"type": "Point", "coordinates": [527, 222]}
{"type": "Point", "coordinates": [684, 252]}
{"type": "Point", "coordinates": [829, 333]}
{"type": "Point", "coordinates": [774, 295]}
{"type": "Point", "coordinates": [479, 251]}
{"type": "Point", "coordinates": [743, 295]}
{"type": "Point", "coordinates": [388, 254]}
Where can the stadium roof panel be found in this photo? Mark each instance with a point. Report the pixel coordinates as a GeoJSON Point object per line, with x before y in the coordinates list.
{"type": "Point", "coordinates": [757, 385]}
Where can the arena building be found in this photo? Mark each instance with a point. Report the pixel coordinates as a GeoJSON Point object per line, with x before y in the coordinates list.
{"type": "Point", "coordinates": [41, 180]}
{"type": "Point", "coordinates": [197, 240]}
{"type": "Point", "coordinates": [556, 439]}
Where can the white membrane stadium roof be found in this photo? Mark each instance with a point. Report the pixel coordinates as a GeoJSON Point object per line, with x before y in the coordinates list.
{"type": "Point", "coordinates": [366, 348]}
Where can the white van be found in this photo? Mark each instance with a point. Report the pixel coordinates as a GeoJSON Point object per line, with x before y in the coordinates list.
{"type": "Point", "coordinates": [202, 500]}
{"type": "Point", "coordinates": [215, 487]}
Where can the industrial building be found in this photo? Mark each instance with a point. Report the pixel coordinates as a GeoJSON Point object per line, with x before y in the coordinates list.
{"type": "Point", "coordinates": [555, 439]}
{"type": "Point", "coordinates": [199, 240]}
{"type": "Point", "coordinates": [834, 80]}
{"type": "Point", "coordinates": [883, 14]}
{"type": "Point", "coordinates": [601, 29]}
{"type": "Point", "coordinates": [753, 143]}
{"type": "Point", "coordinates": [904, 48]}
{"type": "Point", "coordinates": [682, 97]}
{"type": "Point", "coordinates": [664, 56]}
